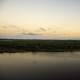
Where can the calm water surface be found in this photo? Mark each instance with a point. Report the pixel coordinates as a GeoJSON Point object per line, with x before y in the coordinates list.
{"type": "Point", "coordinates": [40, 66]}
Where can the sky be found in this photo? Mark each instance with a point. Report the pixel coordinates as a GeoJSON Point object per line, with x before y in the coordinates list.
{"type": "Point", "coordinates": [45, 17]}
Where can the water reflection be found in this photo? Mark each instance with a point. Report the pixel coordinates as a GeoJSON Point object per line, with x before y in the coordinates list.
{"type": "Point", "coordinates": [40, 66]}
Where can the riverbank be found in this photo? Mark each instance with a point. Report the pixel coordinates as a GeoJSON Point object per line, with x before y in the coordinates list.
{"type": "Point", "coordinates": [20, 45]}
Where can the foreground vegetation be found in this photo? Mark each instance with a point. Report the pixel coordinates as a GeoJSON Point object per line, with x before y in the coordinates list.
{"type": "Point", "coordinates": [9, 45]}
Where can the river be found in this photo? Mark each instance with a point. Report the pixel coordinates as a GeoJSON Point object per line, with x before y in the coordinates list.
{"type": "Point", "coordinates": [40, 66]}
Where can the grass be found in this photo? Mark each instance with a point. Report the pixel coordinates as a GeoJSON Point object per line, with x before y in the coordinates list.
{"type": "Point", "coordinates": [10, 45]}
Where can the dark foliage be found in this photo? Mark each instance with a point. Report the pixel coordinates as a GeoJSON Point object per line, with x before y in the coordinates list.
{"type": "Point", "coordinates": [9, 45]}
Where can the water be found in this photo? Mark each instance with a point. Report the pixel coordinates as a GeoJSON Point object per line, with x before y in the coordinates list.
{"type": "Point", "coordinates": [40, 66]}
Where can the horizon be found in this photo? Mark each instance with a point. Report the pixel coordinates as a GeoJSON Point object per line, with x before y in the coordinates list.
{"type": "Point", "coordinates": [40, 37]}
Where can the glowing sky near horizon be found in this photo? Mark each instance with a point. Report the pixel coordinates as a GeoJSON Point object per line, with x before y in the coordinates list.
{"type": "Point", "coordinates": [61, 17]}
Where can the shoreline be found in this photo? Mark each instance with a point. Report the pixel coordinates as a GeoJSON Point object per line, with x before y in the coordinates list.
{"type": "Point", "coordinates": [20, 45]}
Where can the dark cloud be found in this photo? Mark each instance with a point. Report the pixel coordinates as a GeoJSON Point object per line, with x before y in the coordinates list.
{"type": "Point", "coordinates": [42, 29]}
